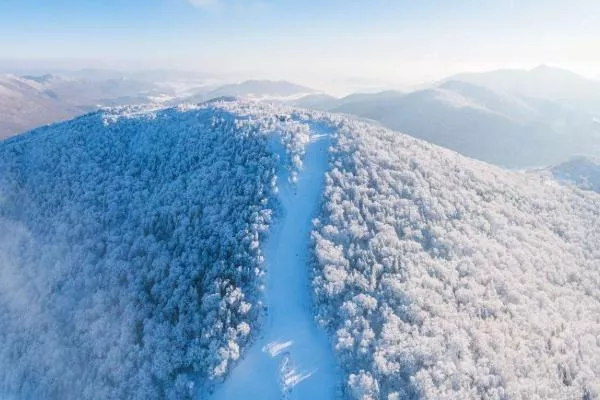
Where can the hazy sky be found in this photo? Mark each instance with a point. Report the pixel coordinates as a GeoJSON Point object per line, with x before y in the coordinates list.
{"type": "Point", "coordinates": [393, 40]}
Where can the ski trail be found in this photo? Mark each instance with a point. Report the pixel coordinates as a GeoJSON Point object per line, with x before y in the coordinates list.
{"type": "Point", "coordinates": [292, 359]}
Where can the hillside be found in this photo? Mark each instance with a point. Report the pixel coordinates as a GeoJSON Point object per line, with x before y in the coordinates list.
{"type": "Point", "coordinates": [130, 256]}
{"type": "Point", "coordinates": [478, 122]}
{"type": "Point", "coordinates": [316, 101]}
{"type": "Point", "coordinates": [26, 104]}
{"type": "Point", "coordinates": [29, 101]}
{"type": "Point", "coordinates": [442, 277]}
{"type": "Point", "coordinates": [579, 171]}
{"type": "Point", "coordinates": [167, 253]}
{"type": "Point", "coordinates": [357, 101]}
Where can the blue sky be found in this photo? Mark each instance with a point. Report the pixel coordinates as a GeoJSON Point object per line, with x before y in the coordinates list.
{"type": "Point", "coordinates": [412, 40]}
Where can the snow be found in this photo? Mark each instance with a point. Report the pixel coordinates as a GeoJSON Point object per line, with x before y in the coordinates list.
{"type": "Point", "coordinates": [130, 257]}
{"type": "Point", "coordinates": [582, 172]}
{"type": "Point", "coordinates": [166, 253]}
{"type": "Point", "coordinates": [440, 277]}
{"type": "Point", "coordinates": [293, 358]}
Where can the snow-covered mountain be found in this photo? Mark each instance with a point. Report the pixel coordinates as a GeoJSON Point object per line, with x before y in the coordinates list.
{"type": "Point", "coordinates": [500, 128]}
{"type": "Point", "coordinates": [167, 253]}
{"type": "Point", "coordinates": [580, 171]}
{"type": "Point", "coordinates": [129, 252]}
{"type": "Point", "coordinates": [542, 82]}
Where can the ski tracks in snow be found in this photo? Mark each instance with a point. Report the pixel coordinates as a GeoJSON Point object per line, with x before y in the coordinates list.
{"type": "Point", "coordinates": [292, 359]}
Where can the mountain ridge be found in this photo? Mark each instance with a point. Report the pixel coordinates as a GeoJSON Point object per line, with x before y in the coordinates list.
{"type": "Point", "coordinates": [561, 85]}
{"type": "Point", "coordinates": [503, 128]}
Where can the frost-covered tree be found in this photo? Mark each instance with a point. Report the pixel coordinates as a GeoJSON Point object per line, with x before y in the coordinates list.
{"type": "Point", "coordinates": [131, 265]}
{"type": "Point", "coordinates": [130, 260]}
{"type": "Point", "coordinates": [440, 277]}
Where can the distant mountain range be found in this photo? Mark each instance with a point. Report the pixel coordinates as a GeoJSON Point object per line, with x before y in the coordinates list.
{"type": "Point", "coordinates": [542, 82]}
{"type": "Point", "coordinates": [26, 103]}
{"type": "Point", "coordinates": [255, 88]}
{"type": "Point", "coordinates": [482, 121]}
{"type": "Point", "coordinates": [29, 101]}
{"type": "Point", "coordinates": [33, 100]}
{"type": "Point", "coordinates": [258, 90]}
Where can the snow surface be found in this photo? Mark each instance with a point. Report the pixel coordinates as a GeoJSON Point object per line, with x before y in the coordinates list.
{"type": "Point", "coordinates": [293, 358]}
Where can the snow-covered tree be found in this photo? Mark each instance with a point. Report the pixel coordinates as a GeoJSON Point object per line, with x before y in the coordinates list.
{"type": "Point", "coordinates": [130, 258]}
{"type": "Point", "coordinates": [440, 277]}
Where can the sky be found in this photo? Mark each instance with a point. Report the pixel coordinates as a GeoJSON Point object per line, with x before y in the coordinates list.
{"type": "Point", "coordinates": [402, 41]}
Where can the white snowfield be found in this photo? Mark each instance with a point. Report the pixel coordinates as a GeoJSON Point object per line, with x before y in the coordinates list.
{"type": "Point", "coordinates": [152, 254]}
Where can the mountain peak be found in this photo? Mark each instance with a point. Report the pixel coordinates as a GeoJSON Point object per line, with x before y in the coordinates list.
{"type": "Point", "coordinates": [542, 67]}
{"type": "Point", "coordinates": [555, 71]}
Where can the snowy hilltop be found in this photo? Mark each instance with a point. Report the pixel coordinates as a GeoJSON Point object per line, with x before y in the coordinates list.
{"type": "Point", "coordinates": [237, 249]}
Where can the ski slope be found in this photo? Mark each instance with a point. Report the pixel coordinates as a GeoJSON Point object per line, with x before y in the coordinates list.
{"type": "Point", "coordinates": [292, 359]}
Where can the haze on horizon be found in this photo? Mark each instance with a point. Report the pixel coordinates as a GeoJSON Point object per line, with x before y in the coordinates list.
{"type": "Point", "coordinates": [313, 42]}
